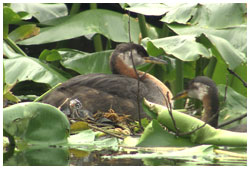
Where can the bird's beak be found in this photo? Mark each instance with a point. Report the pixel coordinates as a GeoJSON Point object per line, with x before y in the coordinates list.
{"type": "Point", "coordinates": [181, 95]}
{"type": "Point", "coordinates": [151, 59]}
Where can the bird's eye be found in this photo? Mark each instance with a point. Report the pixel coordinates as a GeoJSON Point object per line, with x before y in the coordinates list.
{"type": "Point", "coordinates": [78, 105]}
{"type": "Point", "coordinates": [193, 87]}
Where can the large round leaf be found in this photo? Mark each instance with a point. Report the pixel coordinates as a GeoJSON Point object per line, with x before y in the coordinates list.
{"type": "Point", "coordinates": [207, 15]}
{"type": "Point", "coordinates": [220, 15]}
{"type": "Point", "coordinates": [148, 8]}
{"type": "Point", "coordinates": [182, 47]}
{"type": "Point", "coordinates": [24, 32]}
{"type": "Point", "coordinates": [28, 68]}
{"type": "Point", "coordinates": [180, 13]}
{"type": "Point", "coordinates": [111, 24]}
{"type": "Point", "coordinates": [86, 62]}
{"type": "Point", "coordinates": [237, 35]}
{"type": "Point", "coordinates": [224, 50]}
{"type": "Point", "coordinates": [42, 12]}
{"type": "Point", "coordinates": [36, 123]}
{"type": "Point", "coordinates": [186, 48]}
{"type": "Point", "coordinates": [212, 15]}
{"type": "Point", "coordinates": [9, 17]}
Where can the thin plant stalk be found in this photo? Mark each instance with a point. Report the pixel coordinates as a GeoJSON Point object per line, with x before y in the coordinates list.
{"type": "Point", "coordinates": [50, 90]}
{"type": "Point", "coordinates": [211, 67]}
{"type": "Point", "coordinates": [75, 8]}
{"type": "Point", "coordinates": [13, 45]}
{"type": "Point", "coordinates": [97, 38]}
{"type": "Point", "coordinates": [165, 31]}
{"type": "Point", "coordinates": [179, 82]}
{"type": "Point", "coordinates": [108, 44]}
{"type": "Point", "coordinates": [143, 26]}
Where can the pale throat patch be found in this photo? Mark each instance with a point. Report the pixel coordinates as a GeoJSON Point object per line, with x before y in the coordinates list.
{"type": "Point", "coordinates": [199, 91]}
{"type": "Point", "coordinates": [126, 58]}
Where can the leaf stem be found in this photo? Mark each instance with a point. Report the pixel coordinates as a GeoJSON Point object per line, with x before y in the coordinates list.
{"type": "Point", "coordinates": [211, 67]}
{"type": "Point", "coordinates": [143, 26]}
{"type": "Point", "coordinates": [97, 37]}
{"type": "Point", "coordinates": [108, 44]}
{"type": "Point", "coordinates": [179, 82]}
{"type": "Point", "coordinates": [165, 31]}
{"type": "Point", "coordinates": [74, 9]}
{"type": "Point", "coordinates": [40, 97]}
{"type": "Point", "coordinates": [14, 46]}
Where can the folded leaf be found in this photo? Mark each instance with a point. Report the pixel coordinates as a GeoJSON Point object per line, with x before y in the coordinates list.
{"type": "Point", "coordinates": [186, 123]}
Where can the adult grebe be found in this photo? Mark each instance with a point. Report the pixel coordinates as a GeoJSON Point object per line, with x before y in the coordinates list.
{"type": "Point", "coordinates": [118, 90]}
{"type": "Point", "coordinates": [204, 89]}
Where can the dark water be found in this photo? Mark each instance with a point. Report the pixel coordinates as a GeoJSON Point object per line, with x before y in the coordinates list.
{"type": "Point", "coordinates": [95, 159]}
{"type": "Point", "coordinates": [62, 156]}
{"type": "Point", "coordinates": [52, 156]}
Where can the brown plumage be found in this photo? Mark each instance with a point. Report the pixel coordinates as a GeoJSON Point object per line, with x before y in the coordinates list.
{"type": "Point", "coordinates": [118, 90]}
{"type": "Point", "coordinates": [204, 89]}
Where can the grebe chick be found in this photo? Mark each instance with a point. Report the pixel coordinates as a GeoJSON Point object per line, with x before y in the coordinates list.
{"type": "Point", "coordinates": [117, 91]}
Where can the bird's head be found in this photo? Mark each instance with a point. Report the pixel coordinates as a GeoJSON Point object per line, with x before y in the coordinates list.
{"type": "Point", "coordinates": [124, 52]}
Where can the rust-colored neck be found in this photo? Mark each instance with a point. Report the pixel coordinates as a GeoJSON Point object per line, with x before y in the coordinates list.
{"type": "Point", "coordinates": [124, 69]}
{"type": "Point", "coordinates": [210, 114]}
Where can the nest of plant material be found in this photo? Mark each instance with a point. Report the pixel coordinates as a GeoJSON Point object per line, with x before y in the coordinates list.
{"type": "Point", "coordinates": [109, 123]}
{"type": "Point", "coordinates": [112, 116]}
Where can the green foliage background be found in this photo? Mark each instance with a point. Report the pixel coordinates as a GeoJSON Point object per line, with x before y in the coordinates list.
{"type": "Point", "coordinates": [46, 44]}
